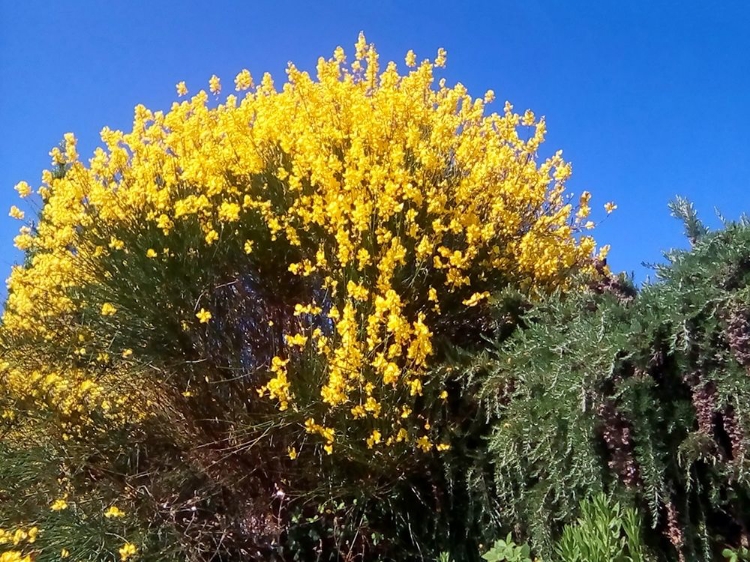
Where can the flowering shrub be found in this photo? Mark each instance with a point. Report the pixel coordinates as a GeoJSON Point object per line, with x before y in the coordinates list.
{"type": "Point", "coordinates": [385, 200]}
{"type": "Point", "coordinates": [284, 266]}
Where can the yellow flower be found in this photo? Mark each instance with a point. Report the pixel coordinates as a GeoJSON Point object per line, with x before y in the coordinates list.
{"type": "Point", "coordinates": [443, 447]}
{"type": "Point", "coordinates": [441, 57]}
{"type": "Point", "coordinates": [127, 550]}
{"type": "Point", "coordinates": [229, 212]}
{"type": "Point", "coordinates": [108, 309]}
{"type": "Point", "coordinates": [23, 189]}
{"type": "Point", "coordinates": [19, 536]}
{"type": "Point", "coordinates": [127, 353]}
{"type": "Point", "coordinates": [116, 244]}
{"type": "Point", "coordinates": [292, 453]}
{"type": "Point", "coordinates": [373, 439]}
{"type": "Point", "coordinates": [203, 316]}
{"type": "Point", "coordinates": [164, 223]}
{"type": "Point", "coordinates": [249, 246]}
{"type": "Point", "coordinates": [444, 395]}
{"type": "Point", "coordinates": [211, 237]}
{"type": "Point", "coordinates": [609, 207]}
{"type": "Point", "coordinates": [411, 59]}
{"type": "Point", "coordinates": [424, 444]}
{"type": "Point", "coordinates": [214, 85]}
{"type": "Point", "coordinates": [181, 89]}
{"type": "Point", "coordinates": [298, 340]}
{"type": "Point", "coordinates": [243, 81]}
{"type": "Point", "coordinates": [59, 505]}
{"type": "Point", "coordinates": [114, 511]}
{"type": "Point", "coordinates": [14, 556]}
{"type": "Point", "coordinates": [151, 253]}
{"type": "Point", "coordinates": [476, 298]}
{"type": "Point", "coordinates": [64, 553]}
{"type": "Point", "coordinates": [16, 213]}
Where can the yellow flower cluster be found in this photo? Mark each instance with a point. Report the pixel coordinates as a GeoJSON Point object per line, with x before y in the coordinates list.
{"type": "Point", "coordinates": [60, 504]}
{"type": "Point", "coordinates": [78, 397]}
{"type": "Point", "coordinates": [14, 556]}
{"type": "Point", "coordinates": [327, 433]}
{"type": "Point", "coordinates": [114, 512]}
{"type": "Point", "coordinates": [17, 537]}
{"type": "Point", "coordinates": [278, 386]}
{"type": "Point", "coordinates": [398, 196]}
{"type": "Point", "coordinates": [127, 551]}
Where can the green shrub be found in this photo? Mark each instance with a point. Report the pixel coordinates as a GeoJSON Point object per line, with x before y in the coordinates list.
{"type": "Point", "coordinates": [640, 395]}
{"type": "Point", "coordinates": [605, 532]}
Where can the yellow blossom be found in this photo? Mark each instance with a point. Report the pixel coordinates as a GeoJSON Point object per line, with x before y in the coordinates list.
{"type": "Point", "coordinates": [164, 223]}
{"type": "Point", "coordinates": [211, 237]}
{"type": "Point", "coordinates": [181, 89]}
{"type": "Point", "coordinates": [214, 85]}
{"type": "Point", "coordinates": [203, 316]}
{"type": "Point", "coordinates": [23, 189]}
{"type": "Point", "coordinates": [298, 340]}
{"type": "Point", "coordinates": [373, 439]}
{"type": "Point", "coordinates": [243, 81]}
{"type": "Point", "coordinates": [32, 535]}
{"type": "Point", "coordinates": [424, 444]}
{"type": "Point", "coordinates": [108, 309]}
{"type": "Point", "coordinates": [59, 505]}
{"type": "Point", "coordinates": [229, 212]}
{"type": "Point", "coordinates": [114, 512]}
{"type": "Point", "coordinates": [128, 550]}
{"type": "Point", "coordinates": [476, 298]}
{"type": "Point", "coordinates": [116, 244]}
{"type": "Point", "coordinates": [16, 213]}
{"type": "Point", "coordinates": [441, 57]}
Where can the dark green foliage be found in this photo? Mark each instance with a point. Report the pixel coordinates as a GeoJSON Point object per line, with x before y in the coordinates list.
{"type": "Point", "coordinates": [31, 478]}
{"type": "Point", "coordinates": [642, 396]}
{"type": "Point", "coordinates": [639, 397]}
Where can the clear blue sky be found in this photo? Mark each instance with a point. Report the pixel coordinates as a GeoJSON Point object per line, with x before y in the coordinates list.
{"type": "Point", "coordinates": [647, 99]}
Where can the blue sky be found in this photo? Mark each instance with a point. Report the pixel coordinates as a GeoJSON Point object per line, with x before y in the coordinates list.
{"type": "Point", "coordinates": [648, 100]}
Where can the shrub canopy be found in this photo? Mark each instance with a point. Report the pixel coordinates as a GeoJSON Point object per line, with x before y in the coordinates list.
{"type": "Point", "coordinates": [255, 291]}
{"type": "Point", "coordinates": [369, 203]}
